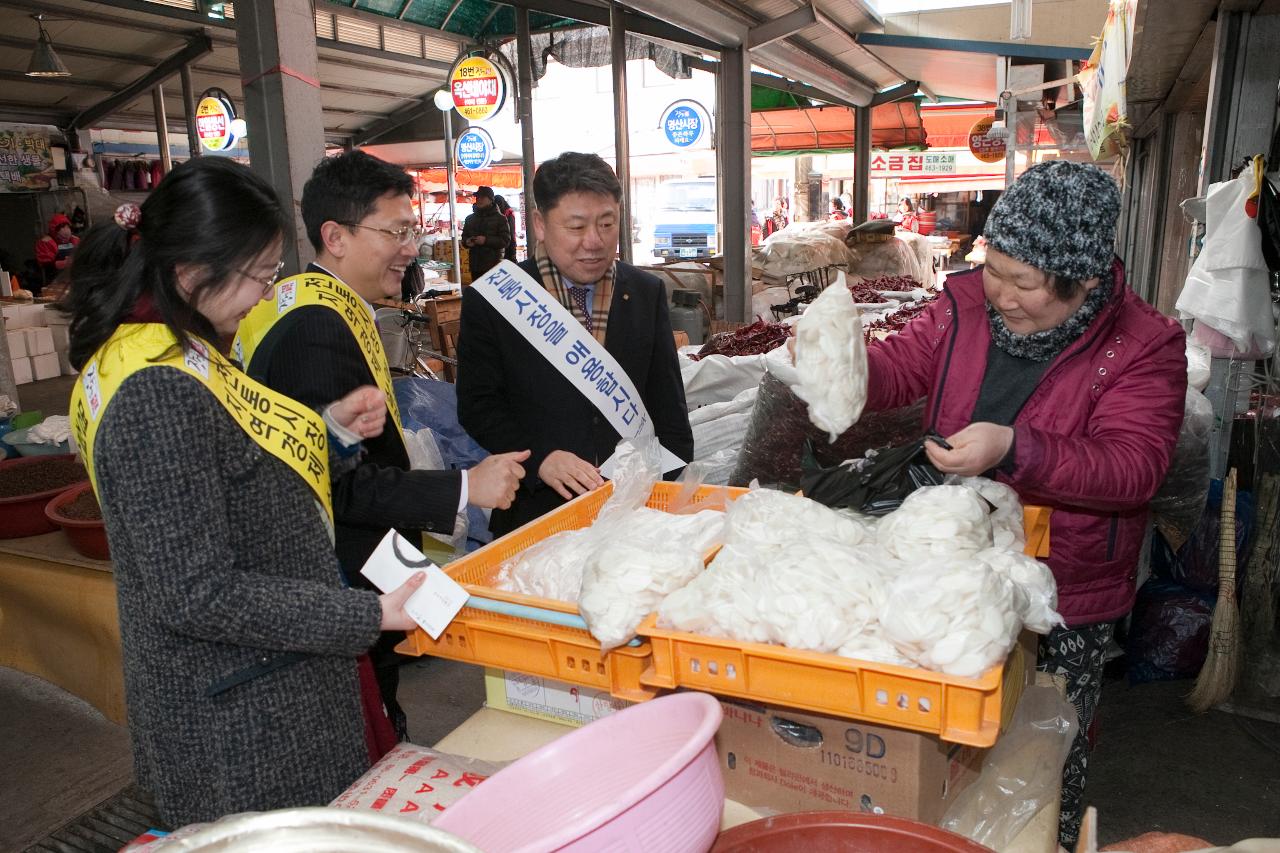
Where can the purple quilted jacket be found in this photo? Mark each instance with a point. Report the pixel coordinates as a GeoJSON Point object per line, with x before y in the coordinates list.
{"type": "Point", "coordinates": [1093, 441]}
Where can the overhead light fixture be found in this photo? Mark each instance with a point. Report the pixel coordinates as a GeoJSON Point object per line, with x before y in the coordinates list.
{"type": "Point", "coordinates": [44, 60]}
{"type": "Point", "coordinates": [1020, 20]}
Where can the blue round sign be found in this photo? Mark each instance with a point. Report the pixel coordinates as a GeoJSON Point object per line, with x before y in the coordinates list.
{"type": "Point", "coordinates": [684, 123]}
{"type": "Point", "coordinates": [474, 149]}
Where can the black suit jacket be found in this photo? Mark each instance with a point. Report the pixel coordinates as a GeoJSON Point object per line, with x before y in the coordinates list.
{"type": "Point", "coordinates": [510, 398]}
{"type": "Point", "coordinates": [311, 356]}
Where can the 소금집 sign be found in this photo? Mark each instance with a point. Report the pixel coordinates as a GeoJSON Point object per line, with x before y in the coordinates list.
{"type": "Point", "coordinates": [474, 149]}
{"type": "Point", "coordinates": [684, 123]}
{"type": "Point", "coordinates": [26, 163]}
{"type": "Point", "coordinates": [986, 148]}
{"type": "Point", "coordinates": [477, 87]}
{"type": "Point", "coordinates": [909, 164]}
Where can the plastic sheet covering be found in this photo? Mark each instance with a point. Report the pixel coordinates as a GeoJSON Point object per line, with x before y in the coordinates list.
{"type": "Point", "coordinates": [719, 378]}
{"type": "Point", "coordinates": [906, 254]}
{"type": "Point", "coordinates": [718, 431]}
{"type": "Point", "coordinates": [1195, 564]}
{"type": "Point", "coordinates": [1180, 501]}
{"type": "Point", "coordinates": [428, 404]}
{"type": "Point", "coordinates": [790, 252]}
{"type": "Point", "coordinates": [1021, 774]}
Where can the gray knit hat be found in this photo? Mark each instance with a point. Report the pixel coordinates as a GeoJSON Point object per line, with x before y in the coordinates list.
{"type": "Point", "coordinates": [1059, 217]}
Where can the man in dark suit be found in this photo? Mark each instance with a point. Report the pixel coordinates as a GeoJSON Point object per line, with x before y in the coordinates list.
{"type": "Point", "coordinates": [510, 396]}
{"type": "Point", "coordinates": [360, 220]}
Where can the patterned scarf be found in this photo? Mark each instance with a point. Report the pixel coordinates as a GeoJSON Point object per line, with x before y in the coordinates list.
{"type": "Point", "coordinates": [596, 321]}
{"type": "Point", "coordinates": [1042, 346]}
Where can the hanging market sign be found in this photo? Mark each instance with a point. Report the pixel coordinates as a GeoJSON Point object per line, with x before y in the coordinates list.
{"type": "Point", "coordinates": [26, 163]}
{"type": "Point", "coordinates": [478, 88]}
{"type": "Point", "coordinates": [986, 148]}
{"type": "Point", "coordinates": [684, 123]}
{"type": "Point", "coordinates": [910, 164]}
{"type": "Point", "coordinates": [216, 120]}
{"type": "Point", "coordinates": [1104, 83]}
{"type": "Point", "coordinates": [474, 149]}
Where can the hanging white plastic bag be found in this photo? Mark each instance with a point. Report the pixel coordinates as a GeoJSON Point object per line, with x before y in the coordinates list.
{"type": "Point", "coordinates": [1228, 287]}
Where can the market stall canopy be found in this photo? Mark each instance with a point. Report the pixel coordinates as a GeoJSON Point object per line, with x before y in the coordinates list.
{"type": "Point", "coordinates": [368, 73]}
{"type": "Point", "coordinates": [499, 177]}
{"type": "Point", "coordinates": [960, 68]}
{"type": "Point", "coordinates": [828, 128]}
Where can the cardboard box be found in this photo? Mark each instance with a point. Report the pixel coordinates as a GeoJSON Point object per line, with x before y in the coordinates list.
{"type": "Point", "coordinates": [61, 338]}
{"type": "Point", "coordinates": [783, 761]}
{"type": "Point", "coordinates": [17, 340]}
{"type": "Point", "coordinates": [39, 340]}
{"type": "Point", "coordinates": [21, 370]}
{"type": "Point", "coordinates": [64, 364]}
{"type": "Point", "coordinates": [54, 317]}
{"type": "Point", "coordinates": [33, 315]}
{"type": "Point", "coordinates": [45, 366]}
{"type": "Point", "coordinates": [547, 699]}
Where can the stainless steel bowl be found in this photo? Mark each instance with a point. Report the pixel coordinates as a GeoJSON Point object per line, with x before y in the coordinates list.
{"type": "Point", "coordinates": [320, 830]}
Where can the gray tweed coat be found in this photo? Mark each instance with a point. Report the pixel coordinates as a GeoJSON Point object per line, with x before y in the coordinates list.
{"type": "Point", "coordinates": [223, 570]}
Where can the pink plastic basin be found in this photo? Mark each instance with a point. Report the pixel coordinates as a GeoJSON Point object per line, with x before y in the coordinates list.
{"type": "Point", "coordinates": [643, 779]}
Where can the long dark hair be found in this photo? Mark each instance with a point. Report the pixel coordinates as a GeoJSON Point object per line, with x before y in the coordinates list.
{"type": "Point", "coordinates": [210, 212]}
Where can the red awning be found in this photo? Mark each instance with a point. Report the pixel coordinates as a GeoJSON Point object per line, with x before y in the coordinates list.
{"type": "Point", "coordinates": [506, 177]}
{"type": "Point", "coordinates": [896, 125]}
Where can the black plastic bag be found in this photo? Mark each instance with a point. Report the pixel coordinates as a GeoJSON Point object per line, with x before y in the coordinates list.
{"type": "Point", "coordinates": [1169, 634]}
{"type": "Point", "coordinates": [876, 486]}
{"type": "Point", "coordinates": [1195, 564]}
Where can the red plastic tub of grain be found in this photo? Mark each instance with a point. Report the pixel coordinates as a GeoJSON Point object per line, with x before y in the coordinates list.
{"type": "Point", "coordinates": [865, 833]}
{"type": "Point", "coordinates": [26, 486]}
{"type": "Point", "coordinates": [77, 512]}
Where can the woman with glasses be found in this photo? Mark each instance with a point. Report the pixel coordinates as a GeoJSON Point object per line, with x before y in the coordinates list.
{"type": "Point", "coordinates": [240, 637]}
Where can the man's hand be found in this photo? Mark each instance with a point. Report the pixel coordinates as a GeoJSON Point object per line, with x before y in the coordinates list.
{"type": "Point", "coordinates": [393, 616]}
{"type": "Point", "coordinates": [568, 474]}
{"type": "Point", "coordinates": [492, 484]}
{"type": "Point", "coordinates": [975, 450]}
{"type": "Point", "coordinates": [363, 411]}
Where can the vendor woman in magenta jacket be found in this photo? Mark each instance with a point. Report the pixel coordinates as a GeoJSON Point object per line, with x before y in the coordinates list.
{"type": "Point", "coordinates": [1044, 370]}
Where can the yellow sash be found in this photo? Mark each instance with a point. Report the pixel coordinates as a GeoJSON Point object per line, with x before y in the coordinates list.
{"type": "Point", "coordinates": [311, 288]}
{"type": "Point", "coordinates": [279, 425]}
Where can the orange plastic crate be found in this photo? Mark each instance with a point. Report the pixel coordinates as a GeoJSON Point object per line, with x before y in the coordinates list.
{"type": "Point", "coordinates": [960, 710]}
{"type": "Point", "coordinates": [535, 647]}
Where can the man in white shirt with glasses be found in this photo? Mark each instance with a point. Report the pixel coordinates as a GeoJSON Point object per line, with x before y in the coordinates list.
{"type": "Point", "coordinates": [359, 217]}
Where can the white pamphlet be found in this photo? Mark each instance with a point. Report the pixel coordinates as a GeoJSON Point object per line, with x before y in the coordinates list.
{"type": "Point", "coordinates": [439, 598]}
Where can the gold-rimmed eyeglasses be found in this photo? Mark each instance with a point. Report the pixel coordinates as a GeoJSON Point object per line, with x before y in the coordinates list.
{"type": "Point", "coordinates": [404, 236]}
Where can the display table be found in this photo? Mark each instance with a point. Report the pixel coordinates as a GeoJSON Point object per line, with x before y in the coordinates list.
{"type": "Point", "coordinates": [493, 735]}
{"type": "Point", "coordinates": [58, 620]}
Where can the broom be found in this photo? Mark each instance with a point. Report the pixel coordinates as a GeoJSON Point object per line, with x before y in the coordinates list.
{"type": "Point", "coordinates": [1221, 668]}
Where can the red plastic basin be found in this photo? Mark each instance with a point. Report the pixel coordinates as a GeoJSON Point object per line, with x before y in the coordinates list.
{"type": "Point", "coordinates": [88, 537]}
{"type": "Point", "coordinates": [23, 515]}
{"type": "Point", "coordinates": [831, 831]}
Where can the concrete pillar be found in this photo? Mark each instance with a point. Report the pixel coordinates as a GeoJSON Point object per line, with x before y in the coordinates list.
{"type": "Point", "coordinates": [276, 40]}
{"type": "Point", "coordinates": [861, 164]}
{"type": "Point", "coordinates": [733, 156]}
{"type": "Point", "coordinates": [802, 203]}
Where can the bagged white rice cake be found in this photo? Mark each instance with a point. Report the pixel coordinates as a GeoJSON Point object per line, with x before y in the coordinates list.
{"type": "Point", "coordinates": [831, 360]}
